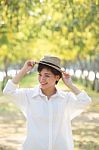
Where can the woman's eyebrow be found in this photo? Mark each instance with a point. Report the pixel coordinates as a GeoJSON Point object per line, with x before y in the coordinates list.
{"type": "Point", "coordinates": [46, 74]}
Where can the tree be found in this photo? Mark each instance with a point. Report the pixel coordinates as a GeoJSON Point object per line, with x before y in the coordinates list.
{"type": "Point", "coordinates": [33, 28]}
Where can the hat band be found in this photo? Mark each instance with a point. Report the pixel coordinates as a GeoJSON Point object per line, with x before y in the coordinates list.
{"type": "Point", "coordinates": [49, 64]}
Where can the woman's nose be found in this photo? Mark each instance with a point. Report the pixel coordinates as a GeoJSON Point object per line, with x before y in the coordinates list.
{"type": "Point", "coordinates": [42, 78]}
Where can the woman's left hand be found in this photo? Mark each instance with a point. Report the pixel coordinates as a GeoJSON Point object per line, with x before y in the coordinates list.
{"type": "Point", "coordinates": [67, 79]}
{"type": "Point", "coordinates": [68, 82]}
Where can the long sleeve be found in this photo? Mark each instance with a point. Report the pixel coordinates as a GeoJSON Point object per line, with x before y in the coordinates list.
{"type": "Point", "coordinates": [16, 95]}
{"type": "Point", "coordinates": [77, 104]}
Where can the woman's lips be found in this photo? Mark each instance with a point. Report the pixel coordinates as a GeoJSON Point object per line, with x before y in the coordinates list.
{"type": "Point", "coordinates": [43, 84]}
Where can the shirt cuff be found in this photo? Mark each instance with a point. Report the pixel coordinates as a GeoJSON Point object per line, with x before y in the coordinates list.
{"type": "Point", "coordinates": [83, 95]}
{"type": "Point", "coordinates": [10, 83]}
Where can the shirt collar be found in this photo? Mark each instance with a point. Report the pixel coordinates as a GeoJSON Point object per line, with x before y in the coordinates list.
{"type": "Point", "coordinates": [59, 93]}
{"type": "Point", "coordinates": [37, 91]}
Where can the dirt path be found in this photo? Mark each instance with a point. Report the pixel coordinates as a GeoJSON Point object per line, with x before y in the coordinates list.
{"type": "Point", "coordinates": [12, 133]}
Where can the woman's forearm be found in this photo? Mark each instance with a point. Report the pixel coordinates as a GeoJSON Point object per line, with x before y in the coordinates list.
{"type": "Point", "coordinates": [68, 82]}
{"type": "Point", "coordinates": [74, 89]}
{"type": "Point", "coordinates": [26, 68]}
{"type": "Point", "coordinates": [19, 76]}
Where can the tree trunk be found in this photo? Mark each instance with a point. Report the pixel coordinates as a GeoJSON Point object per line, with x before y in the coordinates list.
{"type": "Point", "coordinates": [6, 64]}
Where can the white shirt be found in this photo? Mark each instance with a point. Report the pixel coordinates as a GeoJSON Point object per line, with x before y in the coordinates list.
{"type": "Point", "coordinates": [48, 121]}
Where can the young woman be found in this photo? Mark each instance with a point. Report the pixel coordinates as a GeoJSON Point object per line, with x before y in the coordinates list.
{"type": "Point", "coordinates": [48, 111]}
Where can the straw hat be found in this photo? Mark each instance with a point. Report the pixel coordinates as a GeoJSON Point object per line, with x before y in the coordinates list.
{"type": "Point", "coordinates": [51, 61]}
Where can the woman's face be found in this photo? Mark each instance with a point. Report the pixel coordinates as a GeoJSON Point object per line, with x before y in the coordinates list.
{"type": "Point", "coordinates": [47, 79]}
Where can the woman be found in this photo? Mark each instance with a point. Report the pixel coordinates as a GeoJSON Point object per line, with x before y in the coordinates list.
{"type": "Point", "coordinates": [48, 110]}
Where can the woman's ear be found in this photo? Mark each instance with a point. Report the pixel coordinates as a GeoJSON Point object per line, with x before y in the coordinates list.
{"type": "Point", "coordinates": [57, 77]}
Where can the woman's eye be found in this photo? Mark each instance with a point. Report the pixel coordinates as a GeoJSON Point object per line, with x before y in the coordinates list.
{"type": "Point", "coordinates": [47, 76]}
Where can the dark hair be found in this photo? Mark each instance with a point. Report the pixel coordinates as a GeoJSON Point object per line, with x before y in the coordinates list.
{"type": "Point", "coordinates": [54, 71]}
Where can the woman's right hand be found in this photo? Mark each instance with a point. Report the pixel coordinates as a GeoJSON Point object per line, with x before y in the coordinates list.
{"type": "Point", "coordinates": [28, 66]}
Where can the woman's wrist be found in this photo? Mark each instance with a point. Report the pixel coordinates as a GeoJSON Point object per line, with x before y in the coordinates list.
{"type": "Point", "coordinates": [19, 76]}
{"type": "Point", "coordinates": [74, 89]}
{"type": "Point", "coordinates": [23, 71]}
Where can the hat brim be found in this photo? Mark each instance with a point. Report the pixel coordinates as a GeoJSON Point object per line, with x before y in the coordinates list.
{"type": "Point", "coordinates": [55, 67]}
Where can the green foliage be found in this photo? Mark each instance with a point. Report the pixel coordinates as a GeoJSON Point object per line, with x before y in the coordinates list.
{"type": "Point", "coordinates": [31, 29]}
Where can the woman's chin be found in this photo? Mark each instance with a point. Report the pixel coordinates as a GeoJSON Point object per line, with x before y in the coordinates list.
{"type": "Point", "coordinates": [43, 86]}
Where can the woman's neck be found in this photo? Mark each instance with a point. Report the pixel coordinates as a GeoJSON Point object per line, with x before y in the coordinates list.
{"type": "Point", "coordinates": [49, 92]}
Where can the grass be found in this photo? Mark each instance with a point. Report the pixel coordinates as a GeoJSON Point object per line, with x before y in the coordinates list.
{"type": "Point", "coordinates": [29, 81]}
{"type": "Point", "coordinates": [85, 127]}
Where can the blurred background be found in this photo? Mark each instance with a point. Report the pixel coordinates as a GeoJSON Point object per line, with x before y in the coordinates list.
{"type": "Point", "coordinates": [69, 29]}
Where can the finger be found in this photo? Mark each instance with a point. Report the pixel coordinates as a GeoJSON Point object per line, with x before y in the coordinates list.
{"type": "Point", "coordinates": [65, 74]}
{"type": "Point", "coordinates": [31, 63]}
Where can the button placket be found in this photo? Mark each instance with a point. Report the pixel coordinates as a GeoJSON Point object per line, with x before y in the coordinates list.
{"type": "Point", "coordinates": [50, 124]}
